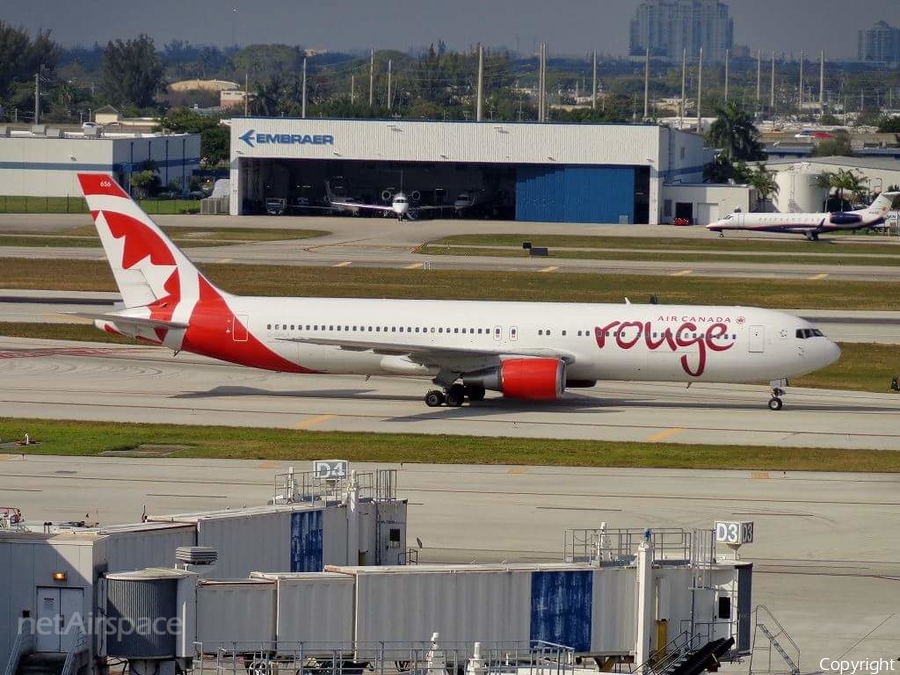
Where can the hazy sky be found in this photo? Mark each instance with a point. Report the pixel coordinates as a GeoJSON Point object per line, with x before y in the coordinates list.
{"type": "Point", "coordinates": [568, 26]}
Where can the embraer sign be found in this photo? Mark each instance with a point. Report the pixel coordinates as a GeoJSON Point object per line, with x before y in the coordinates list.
{"type": "Point", "coordinates": [252, 138]}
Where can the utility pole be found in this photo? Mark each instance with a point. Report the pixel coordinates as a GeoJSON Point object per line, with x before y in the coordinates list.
{"type": "Point", "coordinates": [822, 83]}
{"type": "Point", "coordinates": [758, 78]}
{"type": "Point", "coordinates": [800, 95]}
{"type": "Point", "coordinates": [246, 95]}
{"type": "Point", "coordinates": [389, 85]}
{"type": "Point", "coordinates": [594, 89]}
{"type": "Point", "coordinates": [352, 89]}
{"type": "Point", "coordinates": [700, 93]}
{"type": "Point", "coordinates": [37, 97]}
{"type": "Point", "coordinates": [683, 83]}
{"type": "Point", "coordinates": [772, 88]}
{"type": "Point", "coordinates": [480, 95]}
{"type": "Point", "coordinates": [371, 76]}
{"type": "Point", "coordinates": [303, 105]}
{"type": "Point", "coordinates": [542, 93]}
{"type": "Point", "coordinates": [647, 84]}
{"type": "Point", "coordinates": [726, 74]}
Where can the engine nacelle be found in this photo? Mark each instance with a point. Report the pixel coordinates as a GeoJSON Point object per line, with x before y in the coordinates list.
{"type": "Point", "coordinates": [529, 379]}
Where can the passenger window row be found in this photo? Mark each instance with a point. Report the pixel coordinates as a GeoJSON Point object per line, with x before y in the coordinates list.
{"type": "Point", "coordinates": [377, 329]}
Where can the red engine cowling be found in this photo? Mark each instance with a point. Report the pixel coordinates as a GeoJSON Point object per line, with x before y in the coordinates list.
{"type": "Point", "coordinates": [529, 379]}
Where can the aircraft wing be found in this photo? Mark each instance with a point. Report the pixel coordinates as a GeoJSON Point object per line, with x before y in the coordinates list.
{"type": "Point", "coordinates": [357, 205]}
{"type": "Point", "coordinates": [129, 320]}
{"type": "Point", "coordinates": [431, 355]}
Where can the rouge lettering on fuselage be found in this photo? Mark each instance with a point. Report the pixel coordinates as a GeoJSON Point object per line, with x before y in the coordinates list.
{"type": "Point", "coordinates": [627, 334]}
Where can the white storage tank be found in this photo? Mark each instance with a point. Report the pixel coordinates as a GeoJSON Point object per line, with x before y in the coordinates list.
{"type": "Point", "coordinates": [236, 615]}
{"type": "Point", "coordinates": [313, 609]}
{"type": "Point", "coordinates": [798, 191]}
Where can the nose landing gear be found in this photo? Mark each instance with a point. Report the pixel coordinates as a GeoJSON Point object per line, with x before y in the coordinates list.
{"type": "Point", "coordinates": [776, 402]}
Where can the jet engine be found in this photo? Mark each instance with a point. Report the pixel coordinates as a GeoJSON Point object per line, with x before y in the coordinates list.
{"type": "Point", "coordinates": [529, 379]}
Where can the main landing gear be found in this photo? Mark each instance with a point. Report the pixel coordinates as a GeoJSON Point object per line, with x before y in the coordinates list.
{"type": "Point", "coordinates": [453, 396]}
{"type": "Point", "coordinates": [812, 236]}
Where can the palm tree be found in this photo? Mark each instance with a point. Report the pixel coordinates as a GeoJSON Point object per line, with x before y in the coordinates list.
{"type": "Point", "coordinates": [763, 181]}
{"type": "Point", "coordinates": [735, 135]}
{"type": "Point", "coordinates": [849, 181]}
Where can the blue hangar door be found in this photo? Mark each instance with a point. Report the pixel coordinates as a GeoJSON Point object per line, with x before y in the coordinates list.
{"type": "Point", "coordinates": [575, 194]}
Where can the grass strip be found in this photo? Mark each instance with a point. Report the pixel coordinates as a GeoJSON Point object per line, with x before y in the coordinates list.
{"type": "Point", "coordinates": [347, 282]}
{"type": "Point", "coordinates": [92, 438]}
{"type": "Point", "coordinates": [674, 256]}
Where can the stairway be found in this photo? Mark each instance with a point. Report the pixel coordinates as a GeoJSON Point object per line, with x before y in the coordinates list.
{"type": "Point", "coordinates": [795, 669]}
{"type": "Point", "coordinates": [699, 660]}
{"type": "Point", "coordinates": [41, 663]}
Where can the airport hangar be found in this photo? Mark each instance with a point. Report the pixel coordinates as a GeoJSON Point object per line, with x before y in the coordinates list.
{"type": "Point", "coordinates": [529, 172]}
{"type": "Point", "coordinates": [44, 161]}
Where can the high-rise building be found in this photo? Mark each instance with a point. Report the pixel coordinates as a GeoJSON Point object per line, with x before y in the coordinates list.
{"type": "Point", "coordinates": [880, 44]}
{"type": "Point", "coordinates": [668, 27]}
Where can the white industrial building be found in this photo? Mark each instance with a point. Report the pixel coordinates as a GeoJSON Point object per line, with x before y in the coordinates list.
{"type": "Point", "coordinates": [44, 161]}
{"type": "Point", "coordinates": [797, 180]}
{"type": "Point", "coordinates": [530, 172]}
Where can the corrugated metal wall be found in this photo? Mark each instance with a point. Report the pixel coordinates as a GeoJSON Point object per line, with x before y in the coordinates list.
{"type": "Point", "coordinates": [561, 608]}
{"type": "Point", "coordinates": [306, 541]}
{"type": "Point", "coordinates": [577, 194]}
{"type": "Point", "coordinates": [134, 604]}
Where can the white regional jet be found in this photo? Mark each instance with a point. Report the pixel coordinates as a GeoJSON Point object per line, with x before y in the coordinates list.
{"type": "Point", "coordinates": [810, 224]}
{"type": "Point", "coordinates": [524, 350]}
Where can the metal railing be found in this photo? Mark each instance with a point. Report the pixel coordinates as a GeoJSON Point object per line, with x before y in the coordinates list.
{"type": "Point", "coordinates": [600, 546]}
{"type": "Point", "coordinates": [775, 634]}
{"type": "Point", "coordinates": [294, 487]}
{"type": "Point", "coordinates": [382, 658]}
{"type": "Point", "coordinates": [78, 644]}
{"type": "Point", "coordinates": [23, 644]}
{"type": "Point", "coordinates": [664, 657]}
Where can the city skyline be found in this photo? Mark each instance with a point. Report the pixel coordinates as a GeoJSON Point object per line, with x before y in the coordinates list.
{"type": "Point", "coordinates": [570, 27]}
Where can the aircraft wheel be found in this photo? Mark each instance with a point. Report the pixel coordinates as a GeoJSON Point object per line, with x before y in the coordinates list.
{"type": "Point", "coordinates": [434, 399]}
{"type": "Point", "coordinates": [475, 393]}
{"type": "Point", "coordinates": [775, 403]}
{"type": "Point", "coordinates": [456, 395]}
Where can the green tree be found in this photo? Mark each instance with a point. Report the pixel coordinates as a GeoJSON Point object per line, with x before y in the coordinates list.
{"type": "Point", "coordinates": [889, 125]}
{"type": "Point", "coordinates": [735, 135]}
{"type": "Point", "coordinates": [839, 146]}
{"type": "Point", "coordinates": [842, 181]}
{"type": "Point", "coordinates": [21, 57]}
{"type": "Point", "coordinates": [132, 72]}
{"type": "Point", "coordinates": [763, 181]}
{"type": "Point", "coordinates": [262, 61]}
{"type": "Point", "coordinates": [722, 170]}
{"type": "Point", "coordinates": [215, 138]}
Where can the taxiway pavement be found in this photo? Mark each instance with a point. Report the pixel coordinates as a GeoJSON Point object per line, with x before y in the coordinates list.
{"type": "Point", "coordinates": [824, 559]}
{"type": "Point", "coordinates": [122, 383]}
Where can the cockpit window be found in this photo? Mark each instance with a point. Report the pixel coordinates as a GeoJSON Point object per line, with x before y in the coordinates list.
{"type": "Point", "coordinates": [728, 217]}
{"type": "Point", "coordinates": [806, 333]}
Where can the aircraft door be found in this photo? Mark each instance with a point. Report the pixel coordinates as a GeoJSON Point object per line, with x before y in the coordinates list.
{"type": "Point", "coordinates": [240, 328]}
{"type": "Point", "coordinates": [513, 333]}
{"type": "Point", "coordinates": [757, 339]}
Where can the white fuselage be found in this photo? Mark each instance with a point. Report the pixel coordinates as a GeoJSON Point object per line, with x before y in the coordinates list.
{"type": "Point", "coordinates": [601, 341]}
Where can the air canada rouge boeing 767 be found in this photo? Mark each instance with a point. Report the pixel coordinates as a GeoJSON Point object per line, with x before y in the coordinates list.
{"type": "Point", "coordinates": [524, 350]}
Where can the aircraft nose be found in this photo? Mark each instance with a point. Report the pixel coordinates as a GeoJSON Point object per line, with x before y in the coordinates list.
{"type": "Point", "coordinates": [830, 353]}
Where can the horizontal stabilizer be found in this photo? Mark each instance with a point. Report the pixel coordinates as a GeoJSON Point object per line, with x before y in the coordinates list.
{"type": "Point", "coordinates": [129, 320]}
